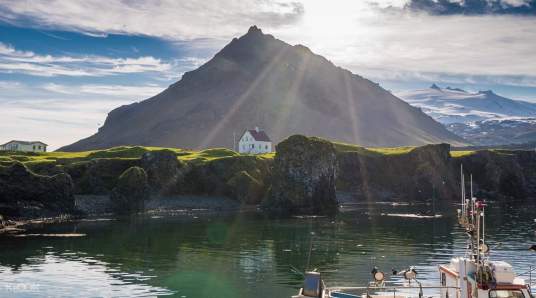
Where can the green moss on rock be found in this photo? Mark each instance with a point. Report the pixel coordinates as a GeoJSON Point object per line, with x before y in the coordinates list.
{"type": "Point", "coordinates": [246, 188]}
{"type": "Point", "coordinates": [303, 179]}
{"type": "Point", "coordinates": [163, 170]}
{"type": "Point", "coordinates": [24, 193]}
{"type": "Point", "coordinates": [131, 191]}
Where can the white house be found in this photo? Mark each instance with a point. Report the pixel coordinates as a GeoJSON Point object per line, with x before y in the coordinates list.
{"type": "Point", "coordinates": [254, 141]}
{"type": "Point", "coordinates": [24, 146]}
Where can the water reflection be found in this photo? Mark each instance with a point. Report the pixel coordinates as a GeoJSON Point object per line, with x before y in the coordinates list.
{"type": "Point", "coordinates": [243, 255]}
{"type": "Point", "coordinates": [72, 275]}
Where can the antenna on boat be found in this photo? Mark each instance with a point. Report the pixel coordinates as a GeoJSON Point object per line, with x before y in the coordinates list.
{"type": "Point", "coordinates": [309, 252]}
{"type": "Point", "coordinates": [471, 186]}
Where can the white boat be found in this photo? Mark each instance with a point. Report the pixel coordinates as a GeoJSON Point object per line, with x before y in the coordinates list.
{"type": "Point", "coordinates": [474, 275]}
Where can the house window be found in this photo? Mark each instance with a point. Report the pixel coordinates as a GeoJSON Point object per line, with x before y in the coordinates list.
{"type": "Point", "coordinates": [34, 147]}
{"type": "Point", "coordinates": [252, 146]}
{"type": "Point", "coordinates": [266, 147]}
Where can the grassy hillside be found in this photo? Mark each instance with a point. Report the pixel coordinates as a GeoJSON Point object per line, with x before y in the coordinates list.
{"type": "Point", "coordinates": [135, 152]}
{"type": "Point", "coordinates": [123, 152]}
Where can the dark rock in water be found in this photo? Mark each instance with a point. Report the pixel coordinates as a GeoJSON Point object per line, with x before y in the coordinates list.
{"type": "Point", "coordinates": [304, 174]}
{"type": "Point", "coordinates": [131, 191]}
{"type": "Point", "coordinates": [246, 188]}
{"type": "Point", "coordinates": [24, 193]}
{"type": "Point", "coordinates": [163, 170]}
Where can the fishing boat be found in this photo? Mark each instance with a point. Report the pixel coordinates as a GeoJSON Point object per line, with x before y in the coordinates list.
{"type": "Point", "coordinates": [473, 275]}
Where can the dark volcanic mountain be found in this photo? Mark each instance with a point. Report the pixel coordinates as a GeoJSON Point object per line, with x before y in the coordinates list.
{"type": "Point", "coordinates": [257, 80]}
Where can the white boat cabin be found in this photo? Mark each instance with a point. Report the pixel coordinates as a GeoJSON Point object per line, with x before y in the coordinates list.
{"type": "Point", "coordinates": [254, 141]}
{"type": "Point", "coordinates": [24, 146]}
{"type": "Point", "coordinates": [496, 279]}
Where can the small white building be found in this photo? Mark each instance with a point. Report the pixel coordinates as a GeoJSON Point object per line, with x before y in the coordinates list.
{"type": "Point", "coordinates": [24, 146]}
{"type": "Point", "coordinates": [254, 141]}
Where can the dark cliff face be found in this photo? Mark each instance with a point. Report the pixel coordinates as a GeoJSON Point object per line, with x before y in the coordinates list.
{"type": "Point", "coordinates": [501, 174]}
{"type": "Point", "coordinates": [24, 193]}
{"type": "Point", "coordinates": [417, 175]}
{"type": "Point", "coordinates": [303, 178]}
{"type": "Point", "coordinates": [258, 80]}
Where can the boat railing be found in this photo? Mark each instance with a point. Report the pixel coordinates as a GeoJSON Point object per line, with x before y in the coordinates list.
{"type": "Point", "coordinates": [394, 289]}
{"type": "Point", "coordinates": [531, 275]}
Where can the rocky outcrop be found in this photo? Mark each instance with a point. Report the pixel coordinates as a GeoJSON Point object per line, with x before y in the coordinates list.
{"type": "Point", "coordinates": [163, 170]}
{"type": "Point", "coordinates": [303, 179]}
{"type": "Point", "coordinates": [224, 177]}
{"type": "Point", "coordinates": [98, 176]}
{"type": "Point", "coordinates": [502, 175]}
{"type": "Point", "coordinates": [131, 191]}
{"type": "Point", "coordinates": [418, 175]}
{"type": "Point", "coordinates": [24, 193]}
{"type": "Point", "coordinates": [246, 188]}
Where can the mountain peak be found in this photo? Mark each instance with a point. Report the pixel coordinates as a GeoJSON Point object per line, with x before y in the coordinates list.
{"type": "Point", "coordinates": [253, 79]}
{"type": "Point", "coordinates": [435, 87]}
{"type": "Point", "coordinates": [486, 92]}
{"type": "Point", "coordinates": [456, 89]}
{"type": "Point", "coordinates": [254, 30]}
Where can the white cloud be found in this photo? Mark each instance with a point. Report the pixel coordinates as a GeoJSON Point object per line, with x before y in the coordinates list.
{"type": "Point", "coordinates": [381, 43]}
{"type": "Point", "coordinates": [61, 114]}
{"type": "Point", "coordinates": [122, 91]}
{"type": "Point", "coordinates": [186, 19]}
{"type": "Point", "coordinates": [26, 62]}
{"type": "Point", "coordinates": [364, 36]}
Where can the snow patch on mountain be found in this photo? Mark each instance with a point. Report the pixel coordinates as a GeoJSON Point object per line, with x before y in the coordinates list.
{"type": "Point", "coordinates": [454, 105]}
{"type": "Point", "coordinates": [482, 118]}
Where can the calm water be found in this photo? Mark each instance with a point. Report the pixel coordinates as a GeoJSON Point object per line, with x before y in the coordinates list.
{"type": "Point", "coordinates": [244, 255]}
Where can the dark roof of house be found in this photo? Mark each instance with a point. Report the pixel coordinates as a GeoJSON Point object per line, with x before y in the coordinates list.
{"type": "Point", "coordinates": [260, 135]}
{"type": "Point", "coordinates": [24, 142]}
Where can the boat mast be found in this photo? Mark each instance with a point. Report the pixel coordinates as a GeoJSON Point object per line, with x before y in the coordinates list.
{"type": "Point", "coordinates": [462, 189]}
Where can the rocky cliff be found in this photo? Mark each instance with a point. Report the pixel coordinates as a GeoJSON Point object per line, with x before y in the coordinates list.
{"type": "Point", "coordinates": [25, 193]}
{"type": "Point", "coordinates": [307, 175]}
{"type": "Point", "coordinates": [303, 178]}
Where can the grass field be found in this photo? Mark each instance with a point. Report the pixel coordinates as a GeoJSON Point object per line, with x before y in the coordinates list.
{"type": "Point", "coordinates": [123, 152]}
{"type": "Point", "coordinates": [134, 152]}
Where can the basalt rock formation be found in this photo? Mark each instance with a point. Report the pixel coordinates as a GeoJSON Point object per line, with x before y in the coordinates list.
{"type": "Point", "coordinates": [303, 178]}
{"type": "Point", "coordinates": [24, 193]}
{"type": "Point", "coordinates": [163, 170]}
{"type": "Point", "coordinates": [131, 192]}
{"type": "Point", "coordinates": [307, 175]}
{"type": "Point", "coordinates": [417, 175]}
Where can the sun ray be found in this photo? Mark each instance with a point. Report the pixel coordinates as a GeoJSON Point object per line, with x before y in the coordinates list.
{"type": "Point", "coordinates": [282, 119]}
{"type": "Point", "coordinates": [238, 103]}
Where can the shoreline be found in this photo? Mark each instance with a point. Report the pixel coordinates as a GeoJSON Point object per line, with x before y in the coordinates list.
{"type": "Point", "coordinates": [98, 206]}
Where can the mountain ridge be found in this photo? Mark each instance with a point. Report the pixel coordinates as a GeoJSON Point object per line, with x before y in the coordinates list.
{"type": "Point", "coordinates": [483, 117]}
{"type": "Point", "coordinates": [453, 105]}
{"type": "Point", "coordinates": [258, 80]}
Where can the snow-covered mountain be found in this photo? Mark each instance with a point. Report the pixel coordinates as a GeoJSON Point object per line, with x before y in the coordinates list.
{"type": "Point", "coordinates": [482, 118]}
{"type": "Point", "coordinates": [453, 105]}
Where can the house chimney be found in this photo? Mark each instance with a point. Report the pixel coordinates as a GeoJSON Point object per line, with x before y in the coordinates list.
{"type": "Point", "coordinates": [256, 128]}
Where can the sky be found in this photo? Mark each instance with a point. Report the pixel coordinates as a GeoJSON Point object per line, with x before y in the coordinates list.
{"type": "Point", "coordinates": [65, 64]}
